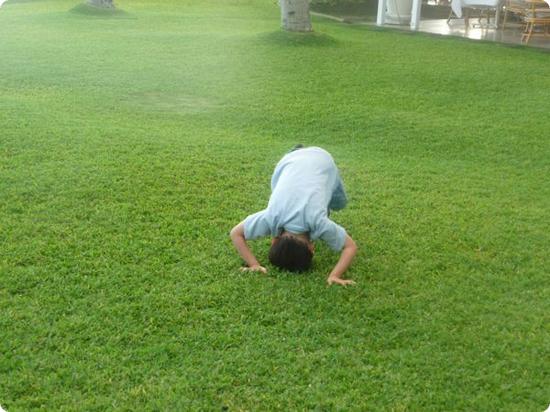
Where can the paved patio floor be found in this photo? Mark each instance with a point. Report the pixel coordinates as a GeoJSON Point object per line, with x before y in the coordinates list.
{"type": "Point", "coordinates": [434, 20]}
{"type": "Point", "coordinates": [456, 27]}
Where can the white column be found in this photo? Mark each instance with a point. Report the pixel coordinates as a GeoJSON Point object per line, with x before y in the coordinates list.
{"type": "Point", "coordinates": [381, 16]}
{"type": "Point", "coordinates": [415, 14]}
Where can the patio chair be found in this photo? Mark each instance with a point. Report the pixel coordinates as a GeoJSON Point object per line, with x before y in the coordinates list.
{"type": "Point", "coordinates": [533, 14]}
{"type": "Point", "coordinates": [484, 7]}
{"type": "Point", "coordinates": [517, 8]}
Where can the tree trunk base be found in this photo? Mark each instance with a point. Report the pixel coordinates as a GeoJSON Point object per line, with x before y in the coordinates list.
{"type": "Point", "coordinates": [104, 4]}
{"type": "Point", "coordinates": [295, 15]}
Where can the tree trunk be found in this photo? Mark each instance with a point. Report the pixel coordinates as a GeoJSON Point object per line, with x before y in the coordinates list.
{"type": "Point", "coordinates": [295, 15]}
{"type": "Point", "coordinates": [102, 3]}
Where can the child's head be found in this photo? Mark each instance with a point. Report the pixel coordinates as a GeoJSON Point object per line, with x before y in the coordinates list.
{"type": "Point", "coordinates": [291, 252]}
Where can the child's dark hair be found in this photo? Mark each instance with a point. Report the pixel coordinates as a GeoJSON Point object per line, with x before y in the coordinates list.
{"type": "Point", "coordinates": [290, 254]}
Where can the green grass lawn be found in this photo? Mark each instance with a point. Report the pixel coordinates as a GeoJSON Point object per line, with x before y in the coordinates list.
{"type": "Point", "coordinates": [131, 143]}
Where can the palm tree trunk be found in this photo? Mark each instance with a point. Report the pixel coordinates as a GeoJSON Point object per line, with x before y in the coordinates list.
{"type": "Point", "coordinates": [295, 15]}
{"type": "Point", "coordinates": [102, 3]}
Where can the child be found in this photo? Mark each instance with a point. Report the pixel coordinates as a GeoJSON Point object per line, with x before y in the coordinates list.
{"type": "Point", "coordinates": [305, 186]}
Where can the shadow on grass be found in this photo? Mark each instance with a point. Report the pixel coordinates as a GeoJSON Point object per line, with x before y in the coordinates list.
{"type": "Point", "coordinates": [284, 38]}
{"type": "Point", "coordinates": [87, 10]}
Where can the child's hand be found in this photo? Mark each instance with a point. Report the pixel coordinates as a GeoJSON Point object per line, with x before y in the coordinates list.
{"type": "Point", "coordinates": [255, 268]}
{"type": "Point", "coordinates": [348, 252]}
{"type": "Point", "coordinates": [343, 282]}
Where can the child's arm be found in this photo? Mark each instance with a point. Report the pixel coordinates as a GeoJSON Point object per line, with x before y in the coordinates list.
{"type": "Point", "coordinates": [350, 248]}
{"type": "Point", "coordinates": [237, 237]}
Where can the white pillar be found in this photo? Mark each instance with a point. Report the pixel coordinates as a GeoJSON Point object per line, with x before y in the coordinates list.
{"type": "Point", "coordinates": [381, 16]}
{"type": "Point", "coordinates": [415, 14]}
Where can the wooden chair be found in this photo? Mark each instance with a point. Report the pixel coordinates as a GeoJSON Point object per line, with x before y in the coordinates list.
{"type": "Point", "coordinates": [537, 15]}
{"type": "Point", "coordinates": [533, 14]}
{"type": "Point", "coordinates": [516, 8]}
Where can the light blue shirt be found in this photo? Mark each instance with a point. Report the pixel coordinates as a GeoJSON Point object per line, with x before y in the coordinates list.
{"type": "Point", "coordinates": [304, 186]}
